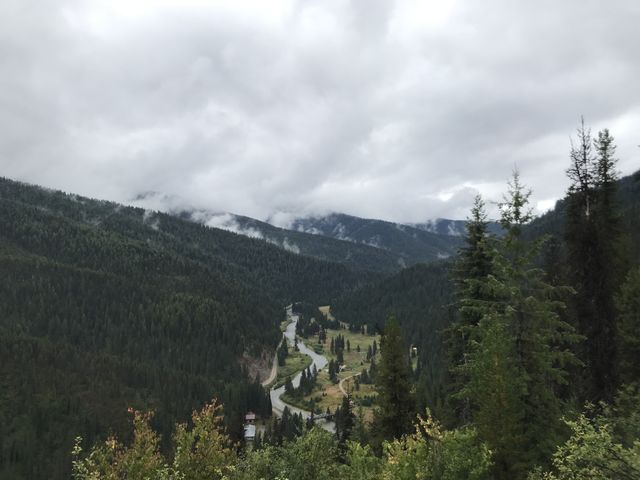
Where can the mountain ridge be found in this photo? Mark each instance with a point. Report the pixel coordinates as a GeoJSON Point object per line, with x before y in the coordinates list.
{"type": "Point", "coordinates": [378, 245]}
{"type": "Point", "coordinates": [416, 245]}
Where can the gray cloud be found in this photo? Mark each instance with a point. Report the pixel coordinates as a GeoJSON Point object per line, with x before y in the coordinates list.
{"type": "Point", "coordinates": [396, 110]}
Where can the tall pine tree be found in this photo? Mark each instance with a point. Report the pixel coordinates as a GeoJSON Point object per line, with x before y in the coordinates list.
{"type": "Point", "coordinates": [593, 235]}
{"type": "Point", "coordinates": [473, 266]}
{"type": "Point", "coordinates": [394, 414]}
{"type": "Point", "coordinates": [344, 425]}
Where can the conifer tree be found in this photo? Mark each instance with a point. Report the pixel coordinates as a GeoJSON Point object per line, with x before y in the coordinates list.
{"type": "Point", "coordinates": [333, 371]}
{"type": "Point", "coordinates": [373, 370]}
{"type": "Point", "coordinates": [608, 274]}
{"type": "Point", "coordinates": [394, 414]}
{"type": "Point", "coordinates": [474, 265]}
{"type": "Point", "coordinates": [593, 235]}
{"type": "Point", "coordinates": [288, 386]}
{"type": "Point", "coordinates": [347, 422]}
{"type": "Point", "coordinates": [303, 383]}
{"type": "Point", "coordinates": [283, 352]}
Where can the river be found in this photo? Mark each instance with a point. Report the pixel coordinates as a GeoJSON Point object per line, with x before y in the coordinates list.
{"type": "Point", "coordinates": [320, 361]}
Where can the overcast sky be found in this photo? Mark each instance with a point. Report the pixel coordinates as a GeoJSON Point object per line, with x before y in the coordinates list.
{"type": "Point", "coordinates": [397, 110]}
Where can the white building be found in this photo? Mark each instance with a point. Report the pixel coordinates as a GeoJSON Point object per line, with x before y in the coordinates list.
{"type": "Point", "coordinates": [249, 433]}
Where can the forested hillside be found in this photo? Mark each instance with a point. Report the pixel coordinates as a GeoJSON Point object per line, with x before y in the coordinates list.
{"type": "Point", "coordinates": [413, 245]}
{"type": "Point", "coordinates": [357, 256]}
{"type": "Point", "coordinates": [103, 307]}
{"type": "Point", "coordinates": [455, 228]}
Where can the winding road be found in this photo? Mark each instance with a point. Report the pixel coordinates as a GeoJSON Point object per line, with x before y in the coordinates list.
{"type": "Point", "coordinates": [341, 384]}
{"type": "Point", "coordinates": [274, 368]}
{"type": "Point", "coordinates": [318, 360]}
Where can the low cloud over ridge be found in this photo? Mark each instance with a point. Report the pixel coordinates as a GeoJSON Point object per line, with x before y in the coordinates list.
{"type": "Point", "coordinates": [395, 110]}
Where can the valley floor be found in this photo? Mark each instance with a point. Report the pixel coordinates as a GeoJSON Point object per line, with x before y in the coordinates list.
{"type": "Point", "coordinates": [327, 395]}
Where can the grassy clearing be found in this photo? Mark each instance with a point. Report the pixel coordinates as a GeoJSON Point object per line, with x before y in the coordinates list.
{"type": "Point", "coordinates": [307, 405]}
{"type": "Point", "coordinates": [326, 393]}
{"type": "Point", "coordinates": [354, 361]}
{"type": "Point", "coordinates": [294, 363]}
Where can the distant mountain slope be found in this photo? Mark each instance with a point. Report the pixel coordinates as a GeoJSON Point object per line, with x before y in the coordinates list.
{"type": "Point", "coordinates": [412, 244]}
{"type": "Point", "coordinates": [103, 307]}
{"type": "Point", "coordinates": [361, 244]}
{"type": "Point", "coordinates": [356, 256]}
{"type": "Point", "coordinates": [444, 226]}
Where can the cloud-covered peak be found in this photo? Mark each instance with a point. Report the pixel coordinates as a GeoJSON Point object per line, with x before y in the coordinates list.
{"type": "Point", "coordinates": [400, 110]}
